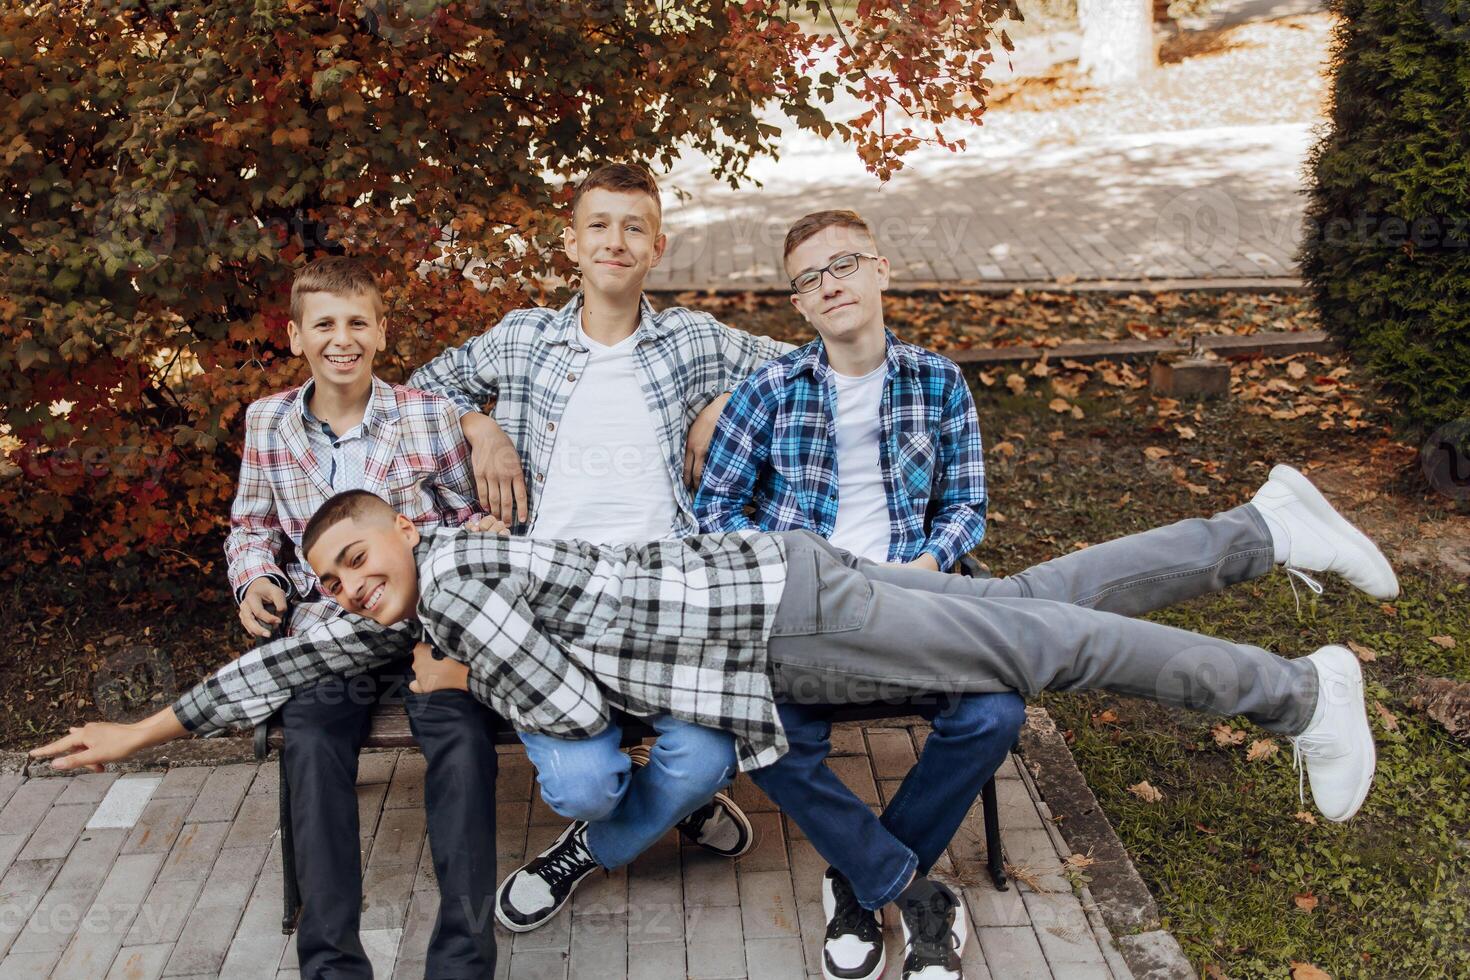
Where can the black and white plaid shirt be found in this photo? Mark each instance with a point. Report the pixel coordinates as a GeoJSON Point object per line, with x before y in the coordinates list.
{"type": "Point", "coordinates": [558, 635]}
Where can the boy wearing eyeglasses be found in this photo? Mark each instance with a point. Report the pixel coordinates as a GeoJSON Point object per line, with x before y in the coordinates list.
{"type": "Point", "coordinates": [875, 445]}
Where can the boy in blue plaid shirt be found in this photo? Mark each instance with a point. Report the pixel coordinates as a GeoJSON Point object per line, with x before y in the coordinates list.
{"type": "Point", "coordinates": [875, 445]}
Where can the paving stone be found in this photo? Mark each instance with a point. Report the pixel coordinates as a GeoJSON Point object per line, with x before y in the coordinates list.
{"type": "Point", "coordinates": [510, 829]}
{"type": "Point", "coordinates": [857, 775]}
{"type": "Point", "coordinates": [28, 804]}
{"type": "Point", "coordinates": [9, 783]}
{"type": "Point", "coordinates": [232, 878]}
{"type": "Point", "coordinates": [715, 944]}
{"type": "Point", "coordinates": [602, 893]}
{"type": "Point", "coordinates": [709, 879]}
{"type": "Point", "coordinates": [28, 966]}
{"type": "Point", "coordinates": [70, 893]}
{"type": "Point", "coordinates": [399, 839]}
{"type": "Point", "coordinates": [57, 833]}
{"type": "Point", "coordinates": [376, 767]}
{"type": "Point", "coordinates": [847, 739]}
{"type": "Point", "coordinates": [20, 892]}
{"type": "Point", "coordinates": [769, 851]}
{"type": "Point", "coordinates": [159, 825]}
{"type": "Point", "coordinates": [989, 907]}
{"type": "Point", "coordinates": [1017, 948]}
{"type": "Point", "coordinates": [381, 947]}
{"type": "Point", "coordinates": [256, 948]}
{"type": "Point", "coordinates": [386, 890]}
{"type": "Point", "coordinates": [101, 931]}
{"type": "Point", "coordinates": [599, 946]}
{"type": "Point", "coordinates": [256, 822]}
{"type": "Point", "coordinates": [749, 797]}
{"type": "Point", "coordinates": [892, 752]}
{"type": "Point", "coordinates": [210, 927]}
{"type": "Point", "coordinates": [768, 905]}
{"type": "Point", "coordinates": [267, 781]}
{"type": "Point", "coordinates": [10, 846]}
{"type": "Point", "coordinates": [163, 913]}
{"type": "Point", "coordinates": [538, 964]}
{"type": "Point", "coordinates": [514, 780]}
{"type": "Point", "coordinates": [656, 894]}
{"type": "Point", "coordinates": [656, 961]}
{"type": "Point", "coordinates": [124, 802]}
{"type": "Point", "coordinates": [780, 957]}
{"type": "Point", "coordinates": [1062, 928]}
{"type": "Point", "coordinates": [86, 787]}
{"type": "Point", "coordinates": [219, 798]}
{"type": "Point", "coordinates": [407, 785]}
{"type": "Point", "coordinates": [418, 928]}
{"type": "Point", "coordinates": [369, 807]}
{"type": "Point", "coordinates": [193, 852]}
{"type": "Point", "coordinates": [140, 962]}
{"type": "Point", "coordinates": [184, 782]}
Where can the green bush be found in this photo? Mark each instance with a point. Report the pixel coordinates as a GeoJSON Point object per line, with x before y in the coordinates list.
{"type": "Point", "coordinates": [1387, 247]}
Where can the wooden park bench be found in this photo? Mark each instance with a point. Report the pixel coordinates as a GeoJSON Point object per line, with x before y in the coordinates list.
{"type": "Point", "coordinates": [388, 729]}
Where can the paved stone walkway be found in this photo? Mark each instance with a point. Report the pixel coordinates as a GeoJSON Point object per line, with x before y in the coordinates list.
{"type": "Point", "coordinates": [178, 874]}
{"type": "Point", "coordinates": [1194, 204]}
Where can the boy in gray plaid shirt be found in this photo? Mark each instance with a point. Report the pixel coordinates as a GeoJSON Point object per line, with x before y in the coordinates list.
{"type": "Point", "coordinates": [556, 635]}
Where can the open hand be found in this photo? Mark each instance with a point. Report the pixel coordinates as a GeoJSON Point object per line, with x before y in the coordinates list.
{"type": "Point", "coordinates": [90, 746]}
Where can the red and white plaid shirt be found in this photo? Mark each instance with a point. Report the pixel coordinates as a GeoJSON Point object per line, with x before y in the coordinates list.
{"type": "Point", "coordinates": [417, 460]}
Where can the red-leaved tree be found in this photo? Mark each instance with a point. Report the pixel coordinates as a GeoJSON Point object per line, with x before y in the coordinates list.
{"type": "Point", "coordinates": [166, 164]}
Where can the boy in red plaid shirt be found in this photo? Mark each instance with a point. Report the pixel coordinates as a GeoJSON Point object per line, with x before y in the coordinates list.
{"type": "Point", "coordinates": [346, 429]}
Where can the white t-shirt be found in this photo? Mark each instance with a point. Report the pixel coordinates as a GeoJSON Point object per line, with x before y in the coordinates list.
{"type": "Point", "coordinates": [608, 481]}
{"type": "Point", "coordinates": [862, 502]}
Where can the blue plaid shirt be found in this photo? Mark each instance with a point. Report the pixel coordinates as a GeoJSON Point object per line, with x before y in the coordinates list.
{"type": "Point", "coordinates": [776, 448]}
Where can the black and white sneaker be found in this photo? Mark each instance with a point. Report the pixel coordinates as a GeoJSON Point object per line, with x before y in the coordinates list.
{"type": "Point", "coordinates": [536, 892]}
{"type": "Point", "coordinates": [853, 948]}
{"type": "Point", "coordinates": [934, 931]}
{"type": "Point", "coordinates": [720, 826]}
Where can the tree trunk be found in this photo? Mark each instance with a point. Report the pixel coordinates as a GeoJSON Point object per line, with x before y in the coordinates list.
{"type": "Point", "coordinates": [1118, 43]}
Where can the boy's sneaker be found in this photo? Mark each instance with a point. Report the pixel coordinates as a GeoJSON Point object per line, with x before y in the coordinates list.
{"type": "Point", "coordinates": [720, 826]}
{"type": "Point", "coordinates": [1319, 539]}
{"type": "Point", "coordinates": [934, 931]}
{"type": "Point", "coordinates": [1337, 747]}
{"type": "Point", "coordinates": [853, 949]}
{"type": "Point", "coordinates": [536, 892]}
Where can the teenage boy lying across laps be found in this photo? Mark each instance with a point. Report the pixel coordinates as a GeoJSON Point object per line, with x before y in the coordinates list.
{"type": "Point", "coordinates": [712, 629]}
{"type": "Point", "coordinates": [875, 445]}
{"type": "Point", "coordinates": [597, 406]}
{"type": "Point", "coordinates": [346, 429]}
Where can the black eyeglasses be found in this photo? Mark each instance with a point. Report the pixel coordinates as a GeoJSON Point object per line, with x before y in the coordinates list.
{"type": "Point", "coordinates": [840, 267]}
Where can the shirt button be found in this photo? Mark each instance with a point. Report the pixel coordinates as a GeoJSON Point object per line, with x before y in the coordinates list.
{"type": "Point", "coordinates": [571, 376]}
{"type": "Point", "coordinates": [550, 426]}
{"type": "Point", "coordinates": [541, 476]}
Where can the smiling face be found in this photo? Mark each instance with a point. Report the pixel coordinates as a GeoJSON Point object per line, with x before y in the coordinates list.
{"type": "Point", "coordinates": [339, 333]}
{"type": "Point", "coordinates": [366, 564]}
{"type": "Point", "coordinates": [615, 240]}
{"type": "Point", "coordinates": [842, 311]}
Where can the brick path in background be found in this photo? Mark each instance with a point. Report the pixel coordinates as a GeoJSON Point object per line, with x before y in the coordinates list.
{"type": "Point", "coordinates": [1197, 204]}
{"type": "Point", "coordinates": [178, 874]}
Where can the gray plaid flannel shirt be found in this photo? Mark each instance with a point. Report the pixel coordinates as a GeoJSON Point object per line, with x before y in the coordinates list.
{"type": "Point", "coordinates": [529, 363]}
{"type": "Point", "coordinates": [558, 635]}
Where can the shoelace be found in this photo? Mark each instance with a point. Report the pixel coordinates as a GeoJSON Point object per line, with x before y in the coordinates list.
{"type": "Point", "coordinates": [1292, 574]}
{"type": "Point", "coordinates": [848, 917]}
{"type": "Point", "coordinates": [567, 861]}
{"type": "Point", "coordinates": [930, 935]}
{"type": "Point", "coordinates": [1299, 763]}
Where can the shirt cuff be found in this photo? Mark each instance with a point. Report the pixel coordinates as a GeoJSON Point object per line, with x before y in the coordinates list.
{"type": "Point", "coordinates": [195, 712]}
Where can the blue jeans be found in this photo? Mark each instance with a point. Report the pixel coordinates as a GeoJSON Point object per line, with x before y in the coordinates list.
{"type": "Point", "coordinates": [972, 734]}
{"type": "Point", "coordinates": [628, 809]}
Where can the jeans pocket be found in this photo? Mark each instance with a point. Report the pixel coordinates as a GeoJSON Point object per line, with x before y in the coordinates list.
{"type": "Point", "coordinates": [844, 595]}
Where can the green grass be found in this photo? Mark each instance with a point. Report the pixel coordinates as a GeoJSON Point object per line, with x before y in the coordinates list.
{"type": "Point", "coordinates": [1223, 852]}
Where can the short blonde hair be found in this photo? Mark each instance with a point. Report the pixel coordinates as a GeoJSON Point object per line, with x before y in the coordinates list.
{"type": "Point", "coordinates": [817, 221]}
{"type": "Point", "coordinates": [335, 274]}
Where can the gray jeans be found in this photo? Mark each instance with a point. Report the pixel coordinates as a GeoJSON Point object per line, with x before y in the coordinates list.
{"type": "Point", "coordinates": [850, 630]}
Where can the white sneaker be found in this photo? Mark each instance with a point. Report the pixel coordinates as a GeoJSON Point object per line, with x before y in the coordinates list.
{"type": "Point", "coordinates": [1321, 539]}
{"type": "Point", "coordinates": [852, 948]}
{"type": "Point", "coordinates": [935, 930]}
{"type": "Point", "coordinates": [1337, 747]}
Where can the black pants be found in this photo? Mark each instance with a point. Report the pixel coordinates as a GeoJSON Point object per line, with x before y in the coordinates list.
{"type": "Point", "coordinates": [325, 727]}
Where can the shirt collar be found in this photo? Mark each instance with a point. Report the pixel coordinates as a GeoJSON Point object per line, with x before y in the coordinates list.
{"type": "Point", "coordinates": [563, 327]}
{"type": "Point", "coordinates": [382, 406]}
{"type": "Point", "coordinates": [897, 355]}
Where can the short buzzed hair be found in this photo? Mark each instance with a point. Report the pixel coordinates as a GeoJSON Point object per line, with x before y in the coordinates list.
{"type": "Point", "coordinates": [817, 221]}
{"type": "Point", "coordinates": [339, 275]}
{"type": "Point", "coordinates": [620, 177]}
{"type": "Point", "coordinates": [348, 505]}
